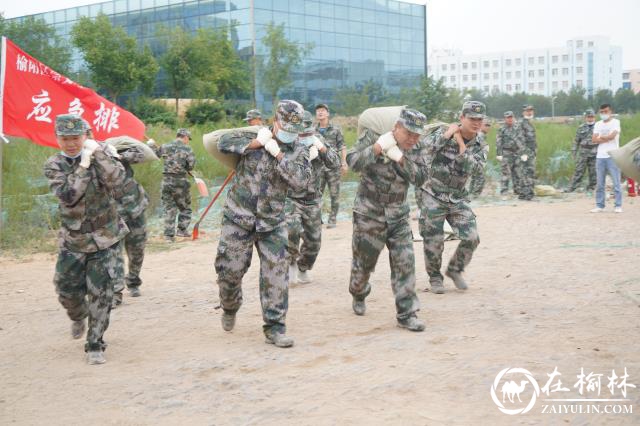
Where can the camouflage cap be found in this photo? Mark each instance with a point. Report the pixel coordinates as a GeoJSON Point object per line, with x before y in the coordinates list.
{"type": "Point", "coordinates": [325, 106]}
{"type": "Point", "coordinates": [307, 122]}
{"type": "Point", "coordinates": [527, 107]}
{"type": "Point", "coordinates": [183, 132]}
{"type": "Point", "coordinates": [589, 112]}
{"type": "Point", "coordinates": [508, 114]}
{"type": "Point", "coordinates": [413, 120]}
{"type": "Point", "coordinates": [473, 109]}
{"type": "Point", "coordinates": [252, 114]}
{"type": "Point", "coordinates": [289, 115]}
{"type": "Point", "coordinates": [70, 125]}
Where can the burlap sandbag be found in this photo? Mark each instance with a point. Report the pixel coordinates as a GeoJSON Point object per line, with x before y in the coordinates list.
{"type": "Point", "coordinates": [210, 141]}
{"type": "Point", "coordinates": [122, 143]}
{"type": "Point", "coordinates": [623, 158]}
{"type": "Point", "coordinates": [544, 190]}
{"type": "Point", "coordinates": [380, 119]}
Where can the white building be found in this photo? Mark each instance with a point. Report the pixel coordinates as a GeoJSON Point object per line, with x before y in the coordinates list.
{"type": "Point", "coordinates": [588, 62]}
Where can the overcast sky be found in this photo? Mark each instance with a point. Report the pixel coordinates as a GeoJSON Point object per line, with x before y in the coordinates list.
{"type": "Point", "coordinates": [479, 26]}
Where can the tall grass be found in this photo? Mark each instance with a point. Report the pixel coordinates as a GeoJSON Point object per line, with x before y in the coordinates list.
{"type": "Point", "coordinates": [29, 212]}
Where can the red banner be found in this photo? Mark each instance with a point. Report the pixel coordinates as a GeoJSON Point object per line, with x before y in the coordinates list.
{"type": "Point", "coordinates": [33, 95]}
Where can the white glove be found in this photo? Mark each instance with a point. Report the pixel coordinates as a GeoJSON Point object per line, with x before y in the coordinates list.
{"type": "Point", "coordinates": [318, 143]}
{"type": "Point", "coordinates": [272, 147]}
{"type": "Point", "coordinates": [394, 154]}
{"type": "Point", "coordinates": [386, 141]}
{"type": "Point", "coordinates": [524, 157]}
{"type": "Point", "coordinates": [313, 153]}
{"type": "Point", "coordinates": [264, 135]}
{"type": "Point", "coordinates": [151, 142]}
{"type": "Point", "coordinates": [111, 150]}
{"type": "Point", "coordinates": [90, 145]}
{"type": "Point", "coordinates": [85, 158]}
{"type": "Point", "coordinates": [499, 157]}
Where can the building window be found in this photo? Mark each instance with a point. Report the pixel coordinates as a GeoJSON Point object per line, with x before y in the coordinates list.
{"type": "Point", "coordinates": [540, 73]}
{"type": "Point", "coordinates": [474, 65]}
{"type": "Point", "coordinates": [554, 71]}
{"type": "Point", "coordinates": [485, 64]}
{"type": "Point", "coordinates": [625, 76]}
{"type": "Point", "coordinates": [579, 44]}
{"type": "Point", "coordinates": [578, 56]}
{"type": "Point", "coordinates": [452, 79]}
{"type": "Point", "coordinates": [565, 71]}
{"type": "Point", "coordinates": [495, 63]}
{"type": "Point", "coordinates": [495, 75]}
{"type": "Point", "coordinates": [486, 88]}
{"type": "Point", "coordinates": [444, 67]}
{"type": "Point", "coordinates": [508, 87]}
{"type": "Point", "coordinates": [465, 77]}
{"type": "Point", "coordinates": [540, 59]}
{"type": "Point", "coordinates": [508, 62]}
{"type": "Point", "coordinates": [541, 86]}
{"type": "Point", "coordinates": [531, 60]}
{"type": "Point", "coordinates": [465, 65]}
{"type": "Point", "coordinates": [508, 74]}
{"type": "Point", "coordinates": [565, 84]}
{"type": "Point", "coordinates": [485, 76]}
{"type": "Point", "coordinates": [495, 88]}
{"type": "Point", "coordinates": [578, 70]}
{"type": "Point", "coordinates": [578, 83]}
{"type": "Point", "coordinates": [554, 59]}
{"type": "Point", "coordinates": [531, 87]}
{"type": "Point", "coordinates": [518, 87]}
{"type": "Point", "coordinates": [565, 58]}
{"type": "Point", "coordinates": [532, 73]}
{"type": "Point", "coordinates": [554, 85]}
{"type": "Point", "coordinates": [453, 67]}
{"type": "Point", "coordinates": [518, 74]}
{"type": "Point", "coordinates": [590, 44]}
{"type": "Point", "coordinates": [474, 77]}
{"type": "Point", "coordinates": [518, 62]}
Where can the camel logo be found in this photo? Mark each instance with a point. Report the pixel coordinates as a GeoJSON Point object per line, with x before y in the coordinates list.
{"type": "Point", "coordinates": [512, 390]}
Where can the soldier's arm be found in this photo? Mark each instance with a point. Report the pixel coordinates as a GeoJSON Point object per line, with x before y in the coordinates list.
{"type": "Point", "coordinates": [576, 141]}
{"type": "Point", "coordinates": [295, 168]}
{"type": "Point", "coordinates": [413, 169]}
{"type": "Point", "coordinates": [521, 142]}
{"type": "Point", "coordinates": [341, 147]}
{"type": "Point", "coordinates": [234, 143]}
{"type": "Point", "coordinates": [133, 155]}
{"type": "Point", "coordinates": [330, 158]}
{"type": "Point", "coordinates": [471, 160]}
{"type": "Point", "coordinates": [361, 155]}
{"type": "Point", "coordinates": [190, 160]}
{"type": "Point", "coordinates": [69, 188]}
{"type": "Point", "coordinates": [109, 170]}
{"type": "Point", "coordinates": [157, 149]}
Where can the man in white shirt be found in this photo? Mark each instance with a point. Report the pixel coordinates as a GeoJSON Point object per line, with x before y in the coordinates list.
{"type": "Point", "coordinates": [606, 133]}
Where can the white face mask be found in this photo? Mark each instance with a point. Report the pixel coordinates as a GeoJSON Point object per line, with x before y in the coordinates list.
{"type": "Point", "coordinates": [528, 116]}
{"type": "Point", "coordinates": [604, 117]}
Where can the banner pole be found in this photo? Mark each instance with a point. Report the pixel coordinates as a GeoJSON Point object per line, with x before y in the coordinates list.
{"type": "Point", "coordinates": [3, 65]}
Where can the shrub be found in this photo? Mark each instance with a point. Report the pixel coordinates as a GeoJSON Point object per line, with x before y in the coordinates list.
{"type": "Point", "coordinates": [153, 112]}
{"type": "Point", "coordinates": [204, 112]}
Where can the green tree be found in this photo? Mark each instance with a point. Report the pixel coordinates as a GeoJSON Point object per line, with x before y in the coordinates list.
{"type": "Point", "coordinates": [351, 101]}
{"type": "Point", "coordinates": [576, 103]}
{"type": "Point", "coordinates": [280, 58]}
{"type": "Point", "coordinates": [115, 62]}
{"type": "Point", "coordinates": [433, 97]}
{"type": "Point", "coordinates": [625, 101]}
{"type": "Point", "coordinates": [603, 96]}
{"type": "Point", "coordinates": [39, 40]}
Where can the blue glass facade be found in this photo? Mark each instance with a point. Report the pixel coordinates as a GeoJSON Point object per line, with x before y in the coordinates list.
{"type": "Point", "coordinates": [353, 41]}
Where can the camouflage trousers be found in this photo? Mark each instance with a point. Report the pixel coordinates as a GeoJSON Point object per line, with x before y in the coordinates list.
{"type": "Point", "coordinates": [331, 178]}
{"type": "Point", "coordinates": [304, 221]}
{"type": "Point", "coordinates": [477, 182]}
{"type": "Point", "coordinates": [369, 238]}
{"type": "Point", "coordinates": [585, 161]}
{"type": "Point", "coordinates": [511, 170]}
{"type": "Point", "coordinates": [433, 213]}
{"type": "Point", "coordinates": [133, 243]}
{"type": "Point", "coordinates": [176, 201]}
{"type": "Point", "coordinates": [233, 260]}
{"type": "Point", "coordinates": [84, 284]}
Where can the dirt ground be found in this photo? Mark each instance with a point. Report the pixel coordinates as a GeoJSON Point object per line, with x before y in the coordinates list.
{"type": "Point", "coordinates": [551, 285]}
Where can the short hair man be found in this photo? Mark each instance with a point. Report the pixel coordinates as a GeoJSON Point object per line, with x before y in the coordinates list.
{"type": "Point", "coordinates": [82, 177]}
{"type": "Point", "coordinates": [606, 134]}
{"type": "Point", "coordinates": [512, 152]}
{"type": "Point", "coordinates": [584, 153]}
{"type": "Point", "coordinates": [254, 118]}
{"type": "Point", "coordinates": [528, 160]}
{"type": "Point", "coordinates": [452, 156]}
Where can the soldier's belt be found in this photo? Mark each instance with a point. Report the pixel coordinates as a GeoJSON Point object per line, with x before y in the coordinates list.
{"type": "Point", "coordinates": [382, 197]}
{"type": "Point", "coordinates": [307, 201]}
{"type": "Point", "coordinates": [95, 224]}
{"type": "Point", "coordinates": [175, 174]}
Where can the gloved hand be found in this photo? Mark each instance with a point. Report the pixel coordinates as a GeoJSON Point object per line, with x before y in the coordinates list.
{"type": "Point", "coordinates": [394, 154]}
{"type": "Point", "coordinates": [318, 144]}
{"type": "Point", "coordinates": [386, 141]}
{"type": "Point", "coordinates": [85, 158]}
{"type": "Point", "coordinates": [151, 142]}
{"type": "Point", "coordinates": [313, 153]}
{"type": "Point", "coordinates": [111, 150]}
{"type": "Point", "coordinates": [271, 146]}
{"type": "Point", "coordinates": [90, 145]}
{"type": "Point", "coordinates": [499, 157]}
{"type": "Point", "coordinates": [524, 157]}
{"type": "Point", "coordinates": [264, 135]}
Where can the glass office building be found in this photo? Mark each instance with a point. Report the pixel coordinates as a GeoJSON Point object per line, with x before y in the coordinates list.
{"type": "Point", "coordinates": [353, 41]}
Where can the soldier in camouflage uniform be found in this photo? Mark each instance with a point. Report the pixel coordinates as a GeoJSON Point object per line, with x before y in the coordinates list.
{"type": "Point", "coordinates": [452, 156]}
{"type": "Point", "coordinates": [83, 177]}
{"type": "Point", "coordinates": [179, 160]}
{"type": "Point", "coordinates": [254, 118]}
{"type": "Point", "coordinates": [387, 164]}
{"type": "Point", "coordinates": [529, 159]}
{"type": "Point", "coordinates": [270, 164]}
{"type": "Point", "coordinates": [478, 179]}
{"type": "Point", "coordinates": [333, 137]}
{"type": "Point", "coordinates": [510, 152]}
{"type": "Point", "coordinates": [584, 152]}
{"type": "Point", "coordinates": [303, 213]}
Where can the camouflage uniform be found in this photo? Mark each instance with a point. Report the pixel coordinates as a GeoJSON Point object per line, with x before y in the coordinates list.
{"type": "Point", "coordinates": [90, 230]}
{"type": "Point", "coordinates": [381, 217]}
{"type": "Point", "coordinates": [445, 197]}
{"type": "Point", "coordinates": [529, 166]}
{"type": "Point", "coordinates": [303, 213]}
{"type": "Point", "coordinates": [254, 214]}
{"type": "Point", "coordinates": [510, 145]}
{"type": "Point", "coordinates": [333, 137]}
{"type": "Point", "coordinates": [179, 160]}
{"type": "Point", "coordinates": [132, 203]}
{"type": "Point", "coordinates": [584, 150]}
{"type": "Point", "coordinates": [478, 178]}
